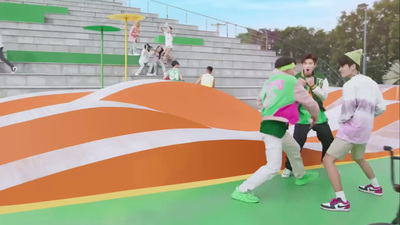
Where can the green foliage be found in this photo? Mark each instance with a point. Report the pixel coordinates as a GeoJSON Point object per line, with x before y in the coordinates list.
{"type": "Point", "coordinates": [254, 37]}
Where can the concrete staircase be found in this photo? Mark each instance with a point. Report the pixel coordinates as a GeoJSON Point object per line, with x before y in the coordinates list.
{"type": "Point", "coordinates": [240, 69]}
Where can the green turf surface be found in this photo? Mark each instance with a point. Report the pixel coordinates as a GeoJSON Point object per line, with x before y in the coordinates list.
{"type": "Point", "coordinates": [281, 203]}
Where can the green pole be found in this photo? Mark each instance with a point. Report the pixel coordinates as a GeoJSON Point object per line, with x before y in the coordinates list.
{"type": "Point", "coordinates": [101, 59]}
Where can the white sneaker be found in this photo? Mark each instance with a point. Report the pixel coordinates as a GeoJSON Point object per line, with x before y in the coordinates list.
{"type": "Point", "coordinates": [136, 74]}
{"type": "Point", "coordinates": [286, 173]}
{"type": "Point", "coordinates": [13, 69]}
{"type": "Point", "coordinates": [136, 53]}
{"type": "Point", "coordinates": [150, 74]}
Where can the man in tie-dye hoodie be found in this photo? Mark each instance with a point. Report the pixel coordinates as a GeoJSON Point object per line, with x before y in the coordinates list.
{"type": "Point", "coordinates": [362, 101]}
{"type": "Point", "coordinates": [278, 103]}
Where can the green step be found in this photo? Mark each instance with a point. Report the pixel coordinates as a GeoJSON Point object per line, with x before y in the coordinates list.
{"type": "Point", "coordinates": [27, 13]}
{"type": "Point", "coordinates": [67, 57]}
{"type": "Point", "coordinates": [180, 40]}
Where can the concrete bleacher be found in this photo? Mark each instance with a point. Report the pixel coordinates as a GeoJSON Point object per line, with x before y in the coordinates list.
{"type": "Point", "coordinates": [240, 69]}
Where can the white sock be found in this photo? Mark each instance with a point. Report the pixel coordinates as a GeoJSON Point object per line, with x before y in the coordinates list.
{"type": "Point", "coordinates": [242, 189]}
{"type": "Point", "coordinates": [340, 194]}
{"type": "Point", "coordinates": [374, 182]}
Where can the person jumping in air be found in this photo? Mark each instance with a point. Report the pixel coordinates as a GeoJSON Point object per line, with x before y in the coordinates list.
{"type": "Point", "coordinates": [168, 43]}
{"type": "Point", "coordinates": [361, 102]}
{"type": "Point", "coordinates": [278, 100]}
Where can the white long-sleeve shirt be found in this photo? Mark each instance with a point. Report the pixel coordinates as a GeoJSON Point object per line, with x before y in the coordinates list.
{"type": "Point", "coordinates": [361, 102]}
{"type": "Point", "coordinates": [322, 92]}
{"type": "Point", "coordinates": [144, 56]}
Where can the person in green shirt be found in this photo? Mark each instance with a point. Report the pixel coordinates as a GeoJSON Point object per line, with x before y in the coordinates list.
{"type": "Point", "coordinates": [173, 74]}
{"type": "Point", "coordinates": [317, 86]}
{"type": "Point", "coordinates": [278, 101]}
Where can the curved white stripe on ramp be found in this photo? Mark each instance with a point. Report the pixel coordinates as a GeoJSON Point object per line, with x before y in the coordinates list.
{"type": "Point", "coordinates": [388, 135]}
{"type": "Point", "coordinates": [44, 93]}
{"type": "Point", "coordinates": [51, 110]}
{"type": "Point", "coordinates": [100, 94]}
{"type": "Point", "coordinates": [31, 168]}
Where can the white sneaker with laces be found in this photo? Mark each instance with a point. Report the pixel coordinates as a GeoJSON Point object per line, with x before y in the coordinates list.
{"type": "Point", "coordinates": [286, 173]}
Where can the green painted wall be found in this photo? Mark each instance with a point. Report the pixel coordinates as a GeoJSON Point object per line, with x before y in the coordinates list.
{"type": "Point", "coordinates": [27, 13]}
{"type": "Point", "coordinates": [66, 57]}
{"type": "Point", "coordinates": [180, 40]}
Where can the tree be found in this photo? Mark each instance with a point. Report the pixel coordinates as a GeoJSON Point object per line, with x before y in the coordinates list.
{"type": "Point", "coordinates": [254, 37]}
{"type": "Point", "coordinates": [382, 36]}
{"type": "Point", "coordinates": [382, 40]}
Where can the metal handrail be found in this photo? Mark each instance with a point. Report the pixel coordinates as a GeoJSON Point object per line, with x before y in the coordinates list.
{"type": "Point", "coordinates": [199, 14]}
{"type": "Point", "coordinates": [226, 23]}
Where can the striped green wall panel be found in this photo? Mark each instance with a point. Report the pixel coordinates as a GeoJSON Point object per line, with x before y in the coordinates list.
{"type": "Point", "coordinates": [180, 40]}
{"type": "Point", "coordinates": [66, 57]}
{"type": "Point", "coordinates": [27, 13]}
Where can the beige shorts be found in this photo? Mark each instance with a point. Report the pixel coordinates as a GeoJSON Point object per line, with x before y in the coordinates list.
{"type": "Point", "coordinates": [340, 148]}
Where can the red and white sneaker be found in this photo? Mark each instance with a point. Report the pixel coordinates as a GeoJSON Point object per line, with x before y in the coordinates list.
{"type": "Point", "coordinates": [336, 205]}
{"type": "Point", "coordinates": [371, 190]}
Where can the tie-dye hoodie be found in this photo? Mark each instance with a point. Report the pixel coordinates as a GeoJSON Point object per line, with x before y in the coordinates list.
{"type": "Point", "coordinates": [279, 96]}
{"type": "Point", "coordinates": [361, 102]}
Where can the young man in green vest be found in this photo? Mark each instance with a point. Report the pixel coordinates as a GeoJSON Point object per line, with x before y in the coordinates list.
{"type": "Point", "coordinates": [317, 86]}
{"type": "Point", "coordinates": [174, 74]}
{"type": "Point", "coordinates": [278, 103]}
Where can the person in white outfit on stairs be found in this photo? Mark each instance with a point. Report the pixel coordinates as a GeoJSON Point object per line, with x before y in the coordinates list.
{"type": "Point", "coordinates": [168, 43]}
{"type": "Point", "coordinates": [2, 58]}
{"type": "Point", "coordinates": [144, 60]}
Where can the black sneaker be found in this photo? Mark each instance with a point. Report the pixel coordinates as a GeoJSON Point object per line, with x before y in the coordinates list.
{"type": "Point", "coordinates": [14, 69]}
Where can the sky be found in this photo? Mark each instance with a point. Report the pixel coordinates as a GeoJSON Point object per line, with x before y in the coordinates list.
{"type": "Point", "coordinates": [320, 14]}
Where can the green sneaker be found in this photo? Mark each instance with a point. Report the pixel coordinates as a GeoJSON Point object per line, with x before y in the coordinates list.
{"type": "Point", "coordinates": [244, 197]}
{"type": "Point", "coordinates": [309, 176]}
